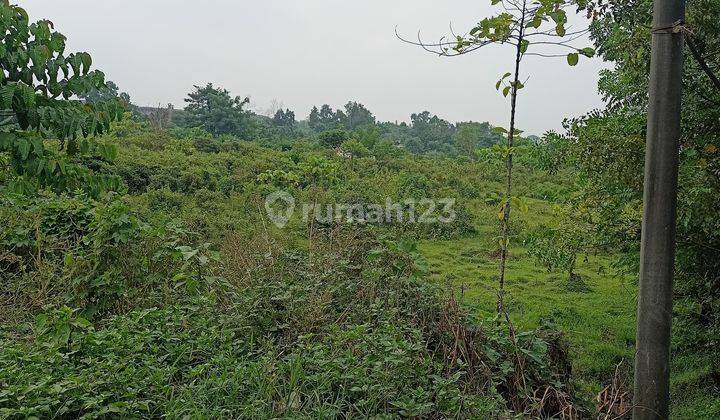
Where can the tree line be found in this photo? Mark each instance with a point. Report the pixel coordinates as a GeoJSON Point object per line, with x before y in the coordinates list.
{"type": "Point", "coordinates": [217, 111]}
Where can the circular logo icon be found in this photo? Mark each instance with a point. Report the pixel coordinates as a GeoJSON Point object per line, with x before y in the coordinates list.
{"type": "Point", "coordinates": [280, 206]}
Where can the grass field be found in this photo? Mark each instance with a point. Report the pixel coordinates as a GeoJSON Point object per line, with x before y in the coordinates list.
{"type": "Point", "coordinates": [599, 322]}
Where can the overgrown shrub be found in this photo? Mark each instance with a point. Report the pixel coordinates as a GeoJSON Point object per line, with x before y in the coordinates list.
{"type": "Point", "coordinates": [351, 329]}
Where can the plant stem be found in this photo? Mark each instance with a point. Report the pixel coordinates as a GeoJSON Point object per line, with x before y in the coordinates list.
{"type": "Point", "coordinates": [509, 166]}
{"type": "Point", "coordinates": [701, 62]}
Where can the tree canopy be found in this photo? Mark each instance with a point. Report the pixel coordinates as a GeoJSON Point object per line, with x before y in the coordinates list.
{"type": "Point", "coordinates": [213, 109]}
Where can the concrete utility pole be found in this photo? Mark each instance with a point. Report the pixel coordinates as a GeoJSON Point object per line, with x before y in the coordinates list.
{"type": "Point", "coordinates": [657, 251]}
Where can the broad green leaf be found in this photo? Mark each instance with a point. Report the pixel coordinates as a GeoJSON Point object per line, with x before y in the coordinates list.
{"type": "Point", "coordinates": [86, 62]}
{"type": "Point", "coordinates": [6, 95]}
{"type": "Point", "coordinates": [24, 148]}
{"type": "Point", "coordinates": [572, 59]}
{"type": "Point", "coordinates": [524, 46]}
{"type": "Point", "coordinates": [38, 148]}
{"type": "Point", "coordinates": [57, 42]}
{"type": "Point", "coordinates": [588, 52]}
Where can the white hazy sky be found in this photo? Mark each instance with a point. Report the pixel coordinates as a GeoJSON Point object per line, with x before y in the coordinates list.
{"type": "Point", "coordinates": [309, 52]}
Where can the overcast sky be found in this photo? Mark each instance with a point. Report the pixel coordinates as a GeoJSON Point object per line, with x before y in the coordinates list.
{"type": "Point", "coordinates": [309, 52]}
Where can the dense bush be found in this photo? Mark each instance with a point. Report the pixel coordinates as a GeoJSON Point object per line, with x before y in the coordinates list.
{"type": "Point", "coordinates": [354, 331]}
{"type": "Point", "coordinates": [177, 299]}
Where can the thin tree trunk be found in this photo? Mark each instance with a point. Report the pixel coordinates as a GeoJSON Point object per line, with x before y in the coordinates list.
{"type": "Point", "coordinates": [509, 166]}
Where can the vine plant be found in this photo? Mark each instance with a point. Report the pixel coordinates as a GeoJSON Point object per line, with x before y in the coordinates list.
{"type": "Point", "coordinates": [531, 28]}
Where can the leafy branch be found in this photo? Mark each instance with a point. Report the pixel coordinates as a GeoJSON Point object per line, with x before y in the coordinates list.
{"type": "Point", "coordinates": [38, 86]}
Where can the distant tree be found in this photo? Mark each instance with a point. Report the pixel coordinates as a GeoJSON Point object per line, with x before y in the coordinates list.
{"type": "Point", "coordinates": [471, 136]}
{"type": "Point", "coordinates": [333, 138]}
{"type": "Point", "coordinates": [557, 248]}
{"type": "Point", "coordinates": [385, 149]}
{"type": "Point", "coordinates": [214, 110]}
{"type": "Point", "coordinates": [284, 118]}
{"type": "Point", "coordinates": [432, 133]}
{"type": "Point", "coordinates": [467, 140]}
{"type": "Point", "coordinates": [356, 116]}
{"type": "Point", "coordinates": [399, 135]}
{"type": "Point", "coordinates": [340, 119]}
{"type": "Point", "coordinates": [533, 139]}
{"type": "Point", "coordinates": [368, 135]}
{"type": "Point", "coordinates": [180, 118]}
{"type": "Point", "coordinates": [326, 119]}
{"type": "Point", "coordinates": [160, 117]}
{"type": "Point", "coordinates": [313, 119]}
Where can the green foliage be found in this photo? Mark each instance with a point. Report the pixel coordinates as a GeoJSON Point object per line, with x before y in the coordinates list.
{"type": "Point", "coordinates": [36, 86]}
{"type": "Point", "coordinates": [333, 139]}
{"type": "Point", "coordinates": [430, 133]}
{"type": "Point", "coordinates": [285, 120]}
{"type": "Point", "coordinates": [325, 119]}
{"type": "Point", "coordinates": [608, 150]}
{"type": "Point", "coordinates": [357, 116]}
{"type": "Point", "coordinates": [94, 251]}
{"type": "Point", "coordinates": [600, 323]}
{"type": "Point", "coordinates": [354, 148]}
{"type": "Point", "coordinates": [471, 136]}
{"type": "Point", "coordinates": [104, 94]}
{"type": "Point", "coordinates": [354, 117]}
{"type": "Point", "coordinates": [545, 22]}
{"type": "Point", "coordinates": [215, 111]}
{"type": "Point", "coordinates": [558, 249]}
{"type": "Point", "coordinates": [311, 347]}
{"type": "Point", "coordinates": [175, 297]}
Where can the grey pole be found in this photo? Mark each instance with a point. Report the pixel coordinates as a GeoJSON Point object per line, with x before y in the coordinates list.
{"type": "Point", "coordinates": [657, 251]}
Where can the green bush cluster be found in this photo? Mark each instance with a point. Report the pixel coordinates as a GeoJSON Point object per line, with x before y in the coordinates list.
{"type": "Point", "coordinates": [354, 331]}
{"type": "Point", "coordinates": [167, 293]}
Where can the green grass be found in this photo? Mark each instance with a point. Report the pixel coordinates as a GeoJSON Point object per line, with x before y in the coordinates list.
{"type": "Point", "coordinates": [599, 323]}
{"type": "Point", "coordinates": [692, 391]}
